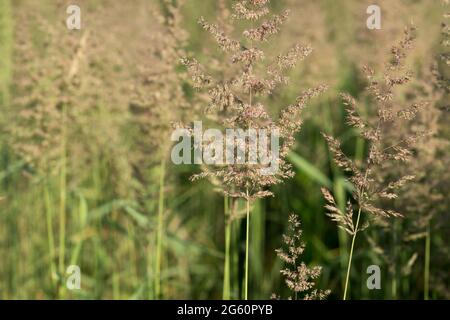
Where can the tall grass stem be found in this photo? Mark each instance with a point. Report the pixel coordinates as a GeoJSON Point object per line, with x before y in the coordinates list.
{"type": "Point", "coordinates": [226, 273]}
{"type": "Point", "coordinates": [247, 237]}
{"type": "Point", "coordinates": [50, 237]}
{"type": "Point", "coordinates": [62, 196]}
{"type": "Point", "coordinates": [426, 276]}
{"type": "Point", "coordinates": [159, 231]}
{"type": "Point", "coordinates": [351, 255]}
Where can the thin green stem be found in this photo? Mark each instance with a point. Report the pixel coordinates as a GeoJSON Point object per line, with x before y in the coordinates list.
{"type": "Point", "coordinates": [394, 284]}
{"type": "Point", "coordinates": [150, 266]}
{"type": "Point", "coordinates": [62, 218]}
{"type": "Point", "coordinates": [234, 252]}
{"type": "Point", "coordinates": [62, 197]}
{"type": "Point", "coordinates": [160, 231]}
{"type": "Point", "coordinates": [426, 275]}
{"type": "Point", "coordinates": [226, 267]}
{"type": "Point", "coordinates": [247, 237]}
{"type": "Point", "coordinates": [339, 190]}
{"type": "Point", "coordinates": [351, 255]}
{"type": "Point", "coordinates": [50, 238]}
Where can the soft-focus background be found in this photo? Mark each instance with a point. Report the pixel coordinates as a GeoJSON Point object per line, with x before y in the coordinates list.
{"type": "Point", "coordinates": [84, 126]}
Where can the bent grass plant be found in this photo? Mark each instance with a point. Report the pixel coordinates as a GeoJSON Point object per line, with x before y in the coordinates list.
{"type": "Point", "coordinates": [370, 185]}
{"type": "Point", "coordinates": [424, 202]}
{"type": "Point", "coordinates": [59, 88]}
{"type": "Point", "coordinates": [232, 102]}
{"type": "Point", "coordinates": [298, 277]}
{"type": "Point", "coordinates": [158, 88]}
{"type": "Point", "coordinates": [44, 111]}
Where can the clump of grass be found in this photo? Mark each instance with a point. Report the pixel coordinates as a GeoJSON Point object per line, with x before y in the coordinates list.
{"type": "Point", "coordinates": [40, 131]}
{"type": "Point", "coordinates": [299, 278]}
{"type": "Point", "coordinates": [425, 202]}
{"type": "Point", "coordinates": [57, 128]}
{"type": "Point", "coordinates": [158, 101]}
{"type": "Point", "coordinates": [233, 102]}
{"type": "Point", "coordinates": [371, 186]}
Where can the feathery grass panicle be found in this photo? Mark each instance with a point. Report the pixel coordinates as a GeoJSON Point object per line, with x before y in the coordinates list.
{"type": "Point", "coordinates": [243, 11]}
{"type": "Point", "coordinates": [424, 202]}
{"type": "Point", "coordinates": [299, 278]}
{"type": "Point", "coordinates": [233, 100]}
{"type": "Point", "coordinates": [37, 128]}
{"type": "Point", "coordinates": [268, 28]}
{"type": "Point", "coordinates": [158, 99]}
{"type": "Point", "coordinates": [383, 146]}
{"type": "Point", "coordinates": [371, 184]}
{"type": "Point", "coordinates": [234, 105]}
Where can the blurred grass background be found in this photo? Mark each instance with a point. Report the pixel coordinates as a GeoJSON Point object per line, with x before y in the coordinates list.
{"type": "Point", "coordinates": [110, 216]}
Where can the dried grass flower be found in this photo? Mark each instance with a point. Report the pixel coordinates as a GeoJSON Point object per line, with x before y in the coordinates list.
{"type": "Point", "coordinates": [386, 145]}
{"type": "Point", "coordinates": [233, 101]}
{"type": "Point", "coordinates": [299, 278]}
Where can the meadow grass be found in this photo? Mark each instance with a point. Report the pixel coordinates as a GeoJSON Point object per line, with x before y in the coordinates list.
{"type": "Point", "coordinates": [171, 238]}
